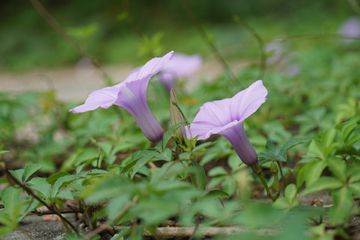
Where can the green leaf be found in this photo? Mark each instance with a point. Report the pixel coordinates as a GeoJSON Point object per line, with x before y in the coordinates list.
{"type": "Point", "coordinates": [61, 182]}
{"type": "Point", "coordinates": [300, 178]}
{"type": "Point", "coordinates": [355, 188]}
{"type": "Point", "coordinates": [202, 147]}
{"type": "Point", "coordinates": [290, 192]}
{"type": "Point", "coordinates": [37, 181]}
{"type": "Point", "coordinates": [18, 174]}
{"type": "Point", "coordinates": [216, 181]}
{"type": "Point", "coordinates": [347, 150]}
{"type": "Point", "coordinates": [31, 169]}
{"type": "Point", "coordinates": [56, 176]}
{"type": "Point", "coordinates": [162, 144]}
{"type": "Point", "coordinates": [184, 155]}
{"type": "Point", "coordinates": [166, 155]}
{"type": "Point", "coordinates": [9, 195]}
{"type": "Point", "coordinates": [270, 148]}
{"type": "Point", "coordinates": [147, 156]}
{"type": "Point", "coordinates": [337, 167]}
{"type": "Point", "coordinates": [216, 171]}
{"type": "Point", "coordinates": [86, 154]}
{"type": "Point", "coordinates": [328, 137]}
{"type": "Point", "coordinates": [355, 175]}
{"type": "Point", "coordinates": [281, 203]}
{"type": "Point", "coordinates": [4, 151]}
{"type": "Point", "coordinates": [340, 211]}
{"type": "Point", "coordinates": [347, 128]}
{"type": "Point", "coordinates": [295, 141]}
{"type": "Point", "coordinates": [198, 175]}
{"type": "Point", "coordinates": [216, 194]}
{"type": "Point", "coordinates": [43, 189]}
{"type": "Point", "coordinates": [314, 171]}
{"type": "Point", "coordinates": [322, 184]}
{"type": "Point", "coordinates": [354, 138]}
{"type": "Point", "coordinates": [229, 186]}
{"type": "Point", "coordinates": [66, 193]}
{"type": "Point", "coordinates": [275, 152]}
{"type": "Point", "coordinates": [316, 149]}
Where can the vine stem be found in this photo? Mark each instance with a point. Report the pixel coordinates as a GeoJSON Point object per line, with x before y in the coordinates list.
{"type": "Point", "coordinates": [29, 191]}
{"type": "Point", "coordinates": [205, 37]}
{"type": "Point", "coordinates": [282, 176]}
{"type": "Point", "coordinates": [122, 212]}
{"type": "Point", "coordinates": [258, 172]}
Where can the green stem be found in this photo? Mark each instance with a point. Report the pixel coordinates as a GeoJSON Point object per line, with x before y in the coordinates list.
{"type": "Point", "coordinates": [282, 176]}
{"type": "Point", "coordinates": [258, 172]}
{"type": "Point", "coordinates": [277, 185]}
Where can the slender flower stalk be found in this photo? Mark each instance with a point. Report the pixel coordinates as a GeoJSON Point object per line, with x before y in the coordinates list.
{"type": "Point", "coordinates": [226, 117]}
{"type": "Point", "coordinates": [131, 94]}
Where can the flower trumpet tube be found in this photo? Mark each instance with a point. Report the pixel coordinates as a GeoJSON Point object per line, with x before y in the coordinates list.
{"type": "Point", "coordinates": [226, 117]}
{"type": "Point", "coordinates": [131, 94]}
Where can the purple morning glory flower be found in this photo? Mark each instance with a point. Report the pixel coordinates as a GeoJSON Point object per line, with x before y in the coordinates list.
{"type": "Point", "coordinates": [131, 95]}
{"type": "Point", "coordinates": [226, 117]}
{"type": "Point", "coordinates": [181, 65]}
{"type": "Point", "coordinates": [280, 59]}
{"type": "Point", "coordinates": [350, 29]}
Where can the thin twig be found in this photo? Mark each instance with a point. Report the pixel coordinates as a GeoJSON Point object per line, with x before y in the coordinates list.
{"type": "Point", "coordinates": [62, 32]}
{"type": "Point", "coordinates": [196, 226]}
{"type": "Point", "coordinates": [107, 224]}
{"type": "Point", "coordinates": [261, 45]}
{"type": "Point", "coordinates": [82, 217]}
{"type": "Point", "coordinates": [207, 39]}
{"type": "Point", "coordinates": [51, 212]}
{"type": "Point", "coordinates": [29, 191]}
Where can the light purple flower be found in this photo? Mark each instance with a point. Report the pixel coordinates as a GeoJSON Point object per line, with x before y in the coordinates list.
{"type": "Point", "coordinates": [280, 59]}
{"type": "Point", "coordinates": [277, 49]}
{"type": "Point", "coordinates": [131, 95]}
{"type": "Point", "coordinates": [181, 65]}
{"type": "Point", "coordinates": [226, 117]}
{"type": "Point", "coordinates": [350, 29]}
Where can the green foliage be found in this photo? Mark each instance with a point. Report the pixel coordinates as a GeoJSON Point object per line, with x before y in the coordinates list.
{"type": "Point", "coordinates": [102, 160]}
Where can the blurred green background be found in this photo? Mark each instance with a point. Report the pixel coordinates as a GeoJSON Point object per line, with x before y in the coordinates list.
{"type": "Point", "coordinates": [101, 28]}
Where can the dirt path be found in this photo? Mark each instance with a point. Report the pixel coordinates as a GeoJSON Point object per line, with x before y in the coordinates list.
{"type": "Point", "coordinates": [74, 84]}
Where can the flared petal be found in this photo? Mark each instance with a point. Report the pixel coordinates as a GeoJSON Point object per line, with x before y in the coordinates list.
{"type": "Point", "coordinates": [182, 65]}
{"type": "Point", "coordinates": [143, 75]}
{"type": "Point", "coordinates": [246, 102]}
{"type": "Point", "coordinates": [131, 95]}
{"type": "Point", "coordinates": [217, 116]}
{"type": "Point", "coordinates": [226, 117]}
{"type": "Point", "coordinates": [103, 98]}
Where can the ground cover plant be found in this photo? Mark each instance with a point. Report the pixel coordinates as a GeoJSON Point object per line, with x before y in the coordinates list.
{"type": "Point", "coordinates": [232, 159]}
